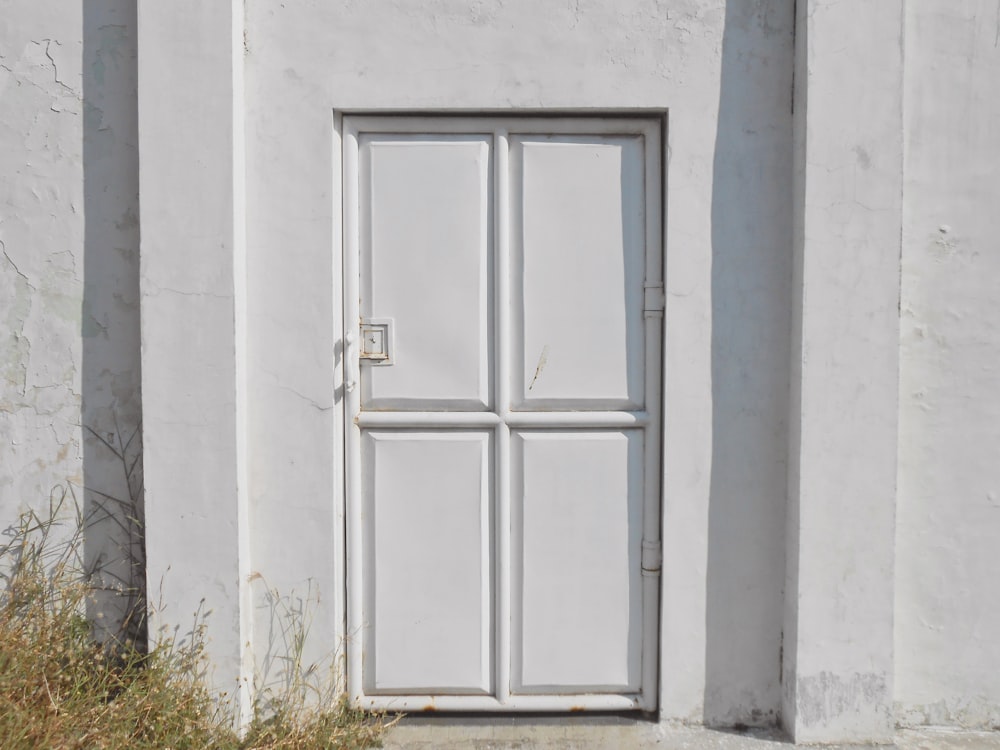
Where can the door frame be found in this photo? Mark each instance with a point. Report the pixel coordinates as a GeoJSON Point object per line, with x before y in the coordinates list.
{"type": "Point", "coordinates": [650, 419]}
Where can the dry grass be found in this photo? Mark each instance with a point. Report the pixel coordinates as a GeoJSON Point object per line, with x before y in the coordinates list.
{"type": "Point", "coordinates": [62, 688]}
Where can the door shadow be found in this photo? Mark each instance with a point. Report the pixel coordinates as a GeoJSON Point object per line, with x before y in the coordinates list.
{"type": "Point", "coordinates": [751, 318]}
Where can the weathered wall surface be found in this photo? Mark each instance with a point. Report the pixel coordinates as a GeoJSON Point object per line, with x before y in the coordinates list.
{"type": "Point", "coordinates": [69, 312]}
{"type": "Point", "coordinates": [723, 70]}
{"type": "Point", "coordinates": [947, 618]}
{"type": "Point", "coordinates": [838, 659]}
{"type": "Point", "coordinates": [69, 355]}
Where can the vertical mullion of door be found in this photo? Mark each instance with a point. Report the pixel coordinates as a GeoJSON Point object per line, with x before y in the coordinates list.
{"type": "Point", "coordinates": [502, 651]}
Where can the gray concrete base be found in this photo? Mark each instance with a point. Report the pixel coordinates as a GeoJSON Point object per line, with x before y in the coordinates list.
{"type": "Point", "coordinates": [612, 732]}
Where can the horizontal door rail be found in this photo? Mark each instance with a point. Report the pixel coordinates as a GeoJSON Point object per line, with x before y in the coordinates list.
{"type": "Point", "coordinates": [584, 702]}
{"type": "Point", "coordinates": [470, 419]}
{"type": "Point", "coordinates": [427, 419]}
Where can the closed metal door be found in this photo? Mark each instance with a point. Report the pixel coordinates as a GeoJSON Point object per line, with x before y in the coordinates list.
{"type": "Point", "coordinates": [504, 302]}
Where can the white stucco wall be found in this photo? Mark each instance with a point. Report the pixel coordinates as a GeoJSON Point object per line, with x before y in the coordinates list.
{"type": "Point", "coordinates": [69, 307]}
{"type": "Point", "coordinates": [947, 619]}
{"type": "Point", "coordinates": [724, 73]}
{"type": "Point", "coordinates": [838, 660]}
{"type": "Point", "coordinates": [69, 321]}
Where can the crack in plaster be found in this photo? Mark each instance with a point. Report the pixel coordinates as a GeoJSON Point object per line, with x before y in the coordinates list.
{"type": "Point", "coordinates": [40, 411]}
{"type": "Point", "coordinates": [27, 358]}
{"type": "Point", "coordinates": [158, 290]}
{"type": "Point", "coordinates": [305, 398]}
{"type": "Point", "coordinates": [18, 271]}
{"type": "Point", "coordinates": [276, 382]}
{"type": "Point", "coordinates": [21, 77]}
{"type": "Point", "coordinates": [55, 67]}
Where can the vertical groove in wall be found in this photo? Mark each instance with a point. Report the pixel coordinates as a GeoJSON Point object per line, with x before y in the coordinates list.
{"type": "Point", "coordinates": [800, 78]}
{"type": "Point", "coordinates": [240, 329]}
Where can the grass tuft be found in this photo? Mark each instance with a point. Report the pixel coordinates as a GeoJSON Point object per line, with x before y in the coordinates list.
{"type": "Point", "coordinates": [62, 687]}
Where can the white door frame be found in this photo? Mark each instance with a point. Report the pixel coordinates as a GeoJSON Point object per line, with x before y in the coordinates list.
{"type": "Point", "coordinates": [503, 418]}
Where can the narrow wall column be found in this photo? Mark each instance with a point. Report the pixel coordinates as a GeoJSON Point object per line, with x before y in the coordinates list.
{"type": "Point", "coordinates": [193, 316]}
{"type": "Point", "coordinates": [838, 630]}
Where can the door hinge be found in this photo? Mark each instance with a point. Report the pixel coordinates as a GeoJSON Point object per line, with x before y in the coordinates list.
{"type": "Point", "coordinates": [654, 301]}
{"type": "Point", "coordinates": [652, 558]}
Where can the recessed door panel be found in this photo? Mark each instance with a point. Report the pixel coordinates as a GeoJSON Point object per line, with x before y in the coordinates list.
{"type": "Point", "coordinates": [427, 265]}
{"type": "Point", "coordinates": [428, 557]}
{"type": "Point", "coordinates": [578, 250]}
{"type": "Point", "coordinates": [577, 523]}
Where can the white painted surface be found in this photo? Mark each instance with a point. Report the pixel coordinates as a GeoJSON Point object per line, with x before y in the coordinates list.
{"type": "Point", "coordinates": [41, 278]}
{"type": "Point", "coordinates": [725, 74]}
{"type": "Point", "coordinates": [577, 531]}
{"type": "Point", "coordinates": [193, 316]}
{"type": "Point", "coordinates": [948, 515]}
{"type": "Point", "coordinates": [578, 250]}
{"type": "Point", "coordinates": [838, 658]}
{"type": "Point", "coordinates": [69, 289]}
{"type": "Point", "coordinates": [427, 240]}
{"type": "Point", "coordinates": [558, 614]}
{"type": "Point", "coordinates": [429, 589]}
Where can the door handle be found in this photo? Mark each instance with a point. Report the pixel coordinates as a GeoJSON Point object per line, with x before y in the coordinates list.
{"type": "Point", "coordinates": [351, 364]}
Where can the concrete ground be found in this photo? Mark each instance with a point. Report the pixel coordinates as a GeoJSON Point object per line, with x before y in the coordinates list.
{"type": "Point", "coordinates": [598, 733]}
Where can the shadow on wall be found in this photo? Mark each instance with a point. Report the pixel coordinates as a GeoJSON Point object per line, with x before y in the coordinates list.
{"type": "Point", "coordinates": [111, 405]}
{"type": "Point", "coordinates": [751, 318]}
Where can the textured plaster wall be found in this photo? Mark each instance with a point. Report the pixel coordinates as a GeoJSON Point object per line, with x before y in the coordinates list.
{"type": "Point", "coordinates": [723, 70]}
{"type": "Point", "coordinates": [838, 659]}
{"type": "Point", "coordinates": [69, 313]}
{"type": "Point", "coordinates": [947, 623]}
{"type": "Point", "coordinates": [69, 356]}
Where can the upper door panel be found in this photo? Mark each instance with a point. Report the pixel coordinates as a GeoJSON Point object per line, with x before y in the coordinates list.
{"type": "Point", "coordinates": [427, 264]}
{"type": "Point", "coordinates": [577, 257]}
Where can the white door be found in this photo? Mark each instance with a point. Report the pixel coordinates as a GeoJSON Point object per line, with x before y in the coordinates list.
{"type": "Point", "coordinates": [504, 304]}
